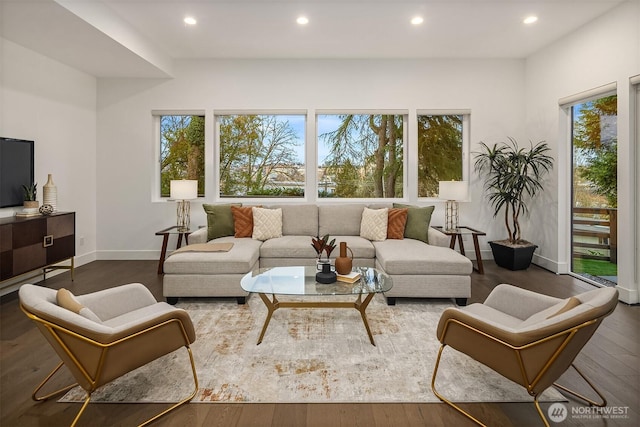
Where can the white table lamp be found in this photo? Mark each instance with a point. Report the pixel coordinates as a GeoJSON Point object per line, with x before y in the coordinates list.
{"type": "Point", "coordinates": [452, 192]}
{"type": "Point", "coordinates": [182, 191]}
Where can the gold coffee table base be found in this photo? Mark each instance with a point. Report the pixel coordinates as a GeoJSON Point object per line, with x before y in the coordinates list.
{"type": "Point", "coordinates": [274, 304]}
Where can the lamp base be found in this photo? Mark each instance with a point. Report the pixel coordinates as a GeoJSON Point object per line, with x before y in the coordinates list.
{"type": "Point", "coordinates": [184, 215]}
{"type": "Point", "coordinates": [451, 215]}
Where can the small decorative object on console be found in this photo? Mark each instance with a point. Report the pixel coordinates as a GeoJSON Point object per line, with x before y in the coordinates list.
{"type": "Point", "coordinates": [50, 195]}
{"type": "Point", "coordinates": [46, 209]}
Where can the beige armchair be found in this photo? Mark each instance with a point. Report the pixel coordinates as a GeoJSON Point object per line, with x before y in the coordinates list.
{"type": "Point", "coordinates": [103, 335]}
{"type": "Point", "coordinates": [529, 338]}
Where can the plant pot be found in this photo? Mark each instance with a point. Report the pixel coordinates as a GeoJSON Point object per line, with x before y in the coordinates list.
{"type": "Point", "coordinates": [512, 257]}
{"type": "Point", "coordinates": [31, 205]}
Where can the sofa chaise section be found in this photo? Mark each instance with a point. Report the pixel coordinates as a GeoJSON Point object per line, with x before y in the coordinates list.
{"type": "Point", "coordinates": [210, 274]}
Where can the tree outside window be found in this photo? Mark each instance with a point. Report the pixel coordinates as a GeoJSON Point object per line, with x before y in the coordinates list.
{"type": "Point", "coordinates": [181, 151]}
{"type": "Point", "coordinates": [360, 155]}
{"type": "Point", "coordinates": [261, 155]}
{"type": "Point", "coordinates": [439, 152]}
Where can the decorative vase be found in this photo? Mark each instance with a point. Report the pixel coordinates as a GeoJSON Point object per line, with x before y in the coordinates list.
{"type": "Point", "coordinates": [50, 194]}
{"type": "Point", "coordinates": [326, 275]}
{"type": "Point", "coordinates": [344, 263]}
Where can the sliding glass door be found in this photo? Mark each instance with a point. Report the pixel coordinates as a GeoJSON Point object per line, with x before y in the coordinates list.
{"type": "Point", "coordinates": [594, 190]}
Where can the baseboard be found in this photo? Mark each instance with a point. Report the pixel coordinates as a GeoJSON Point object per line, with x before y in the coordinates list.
{"type": "Point", "coordinates": [548, 264]}
{"type": "Point", "coordinates": [129, 255]}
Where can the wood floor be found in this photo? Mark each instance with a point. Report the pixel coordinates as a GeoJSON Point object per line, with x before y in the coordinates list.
{"type": "Point", "coordinates": [610, 359]}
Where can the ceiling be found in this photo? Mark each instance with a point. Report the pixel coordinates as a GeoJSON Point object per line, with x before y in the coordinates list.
{"type": "Point", "coordinates": [142, 38]}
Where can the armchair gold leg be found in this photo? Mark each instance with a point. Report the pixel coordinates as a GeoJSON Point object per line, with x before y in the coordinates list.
{"type": "Point", "coordinates": [187, 399]}
{"type": "Point", "coordinates": [445, 400]}
{"type": "Point", "coordinates": [540, 412]}
{"type": "Point", "coordinates": [88, 398]}
{"type": "Point", "coordinates": [84, 406]}
{"type": "Point", "coordinates": [37, 398]}
{"type": "Point", "coordinates": [600, 404]}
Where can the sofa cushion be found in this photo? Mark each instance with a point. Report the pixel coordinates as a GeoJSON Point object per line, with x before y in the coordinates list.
{"type": "Point", "coordinates": [267, 223]}
{"type": "Point", "coordinates": [339, 220]}
{"type": "Point", "coordinates": [410, 256]}
{"type": "Point", "coordinates": [219, 220]}
{"type": "Point", "coordinates": [373, 225]}
{"type": "Point", "coordinates": [299, 219]}
{"type": "Point", "coordinates": [418, 221]}
{"type": "Point", "coordinates": [397, 223]}
{"type": "Point", "coordinates": [240, 259]}
{"type": "Point", "coordinates": [242, 221]}
{"type": "Point", "coordinates": [361, 248]}
{"type": "Point", "coordinates": [288, 247]}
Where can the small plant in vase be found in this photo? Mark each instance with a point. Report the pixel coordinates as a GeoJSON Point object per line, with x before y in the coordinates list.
{"type": "Point", "coordinates": [323, 244]}
{"type": "Point", "coordinates": [31, 196]}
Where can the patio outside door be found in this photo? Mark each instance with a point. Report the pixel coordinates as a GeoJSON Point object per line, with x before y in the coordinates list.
{"type": "Point", "coordinates": [594, 190]}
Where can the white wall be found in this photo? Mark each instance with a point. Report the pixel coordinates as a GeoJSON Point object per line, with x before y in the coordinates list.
{"type": "Point", "coordinates": [54, 105]}
{"type": "Point", "coordinates": [604, 51]}
{"type": "Point", "coordinates": [128, 218]}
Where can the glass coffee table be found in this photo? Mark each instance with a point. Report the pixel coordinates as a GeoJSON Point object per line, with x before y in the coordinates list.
{"type": "Point", "coordinates": [301, 281]}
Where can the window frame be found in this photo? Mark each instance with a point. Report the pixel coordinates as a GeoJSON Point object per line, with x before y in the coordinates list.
{"type": "Point", "coordinates": [466, 144]}
{"type": "Point", "coordinates": [217, 151]}
{"type": "Point", "coordinates": [406, 186]}
{"type": "Point", "coordinates": [156, 196]}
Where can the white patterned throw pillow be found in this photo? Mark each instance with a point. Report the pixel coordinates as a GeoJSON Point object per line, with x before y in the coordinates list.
{"type": "Point", "coordinates": [267, 223]}
{"type": "Point", "coordinates": [374, 224]}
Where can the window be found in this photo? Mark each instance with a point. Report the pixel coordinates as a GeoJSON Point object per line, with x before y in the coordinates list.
{"type": "Point", "coordinates": [360, 155]}
{"type": "Point", "coordinates": [440, 151]}
{"type": "Point", "coordinates": [181, 150]}
{"type": "Point", "coordinates": [261, 155]}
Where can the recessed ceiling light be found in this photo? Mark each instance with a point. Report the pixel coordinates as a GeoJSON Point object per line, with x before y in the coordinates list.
{"type": "Point", "coordinates": [417, 20]}
{"type": "Point", "coordinates": [190, 20]}
{"type": "Point", "coordinates": [302, 20]}
{"type": "Point", "coordinates": [530, 19]}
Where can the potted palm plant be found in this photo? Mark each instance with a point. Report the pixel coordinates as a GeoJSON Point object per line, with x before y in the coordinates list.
{"type": "Point", "coordinates": [513, 176]}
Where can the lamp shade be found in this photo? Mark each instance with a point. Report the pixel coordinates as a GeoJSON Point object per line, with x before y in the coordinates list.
{"type": "Point", "coordinates": [184, 189]}
{"type": "Point", "coordinates": [453, 190]}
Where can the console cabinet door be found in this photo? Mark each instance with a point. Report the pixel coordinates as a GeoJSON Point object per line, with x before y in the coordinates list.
{"type": "Point", "coordinates": [62, 243]}
{"type": "Point", "coordinates": [33, 243]}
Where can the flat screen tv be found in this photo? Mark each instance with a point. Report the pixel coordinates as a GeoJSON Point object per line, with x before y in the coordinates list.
{"type": "Point", "coordinates": [16, 170]}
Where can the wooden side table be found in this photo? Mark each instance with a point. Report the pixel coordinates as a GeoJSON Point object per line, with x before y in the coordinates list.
{"type": "Point", "coordinates": [459, 232]}
{"type": "Point", "coordinates": [166, 233]}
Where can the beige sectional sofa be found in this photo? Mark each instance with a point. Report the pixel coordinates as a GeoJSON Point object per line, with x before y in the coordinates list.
{"type": "Point", "coordinates": [418, 269]}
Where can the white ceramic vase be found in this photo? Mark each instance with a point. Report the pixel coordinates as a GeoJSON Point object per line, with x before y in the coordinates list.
{"type": "Point", "coordinates": [50, 194]}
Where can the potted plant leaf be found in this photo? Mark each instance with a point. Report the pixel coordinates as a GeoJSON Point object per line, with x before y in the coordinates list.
{"type": "Point", "coordinates": [513, 177]}
{"type": "Point", "coordinates": [30, 196]}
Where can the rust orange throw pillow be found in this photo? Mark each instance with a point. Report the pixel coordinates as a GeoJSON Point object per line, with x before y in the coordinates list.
{"type": "Point", "coordinates": [397, 222]}
{"type": "Point", "coordinates": [242, 221]}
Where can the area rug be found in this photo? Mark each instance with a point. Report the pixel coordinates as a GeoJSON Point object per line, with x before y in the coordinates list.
{"type": "Point", "coordinates": [312, 356]}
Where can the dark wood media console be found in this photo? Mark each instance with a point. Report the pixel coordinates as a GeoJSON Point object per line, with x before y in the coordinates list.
{"type": "Point", "coordinates": [28, 244]}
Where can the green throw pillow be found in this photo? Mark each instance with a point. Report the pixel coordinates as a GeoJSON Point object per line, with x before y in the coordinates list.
{"type": "Point", "coordinates": [418, 221]}
{"type": "Point", "coordinates": [219, 220]}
